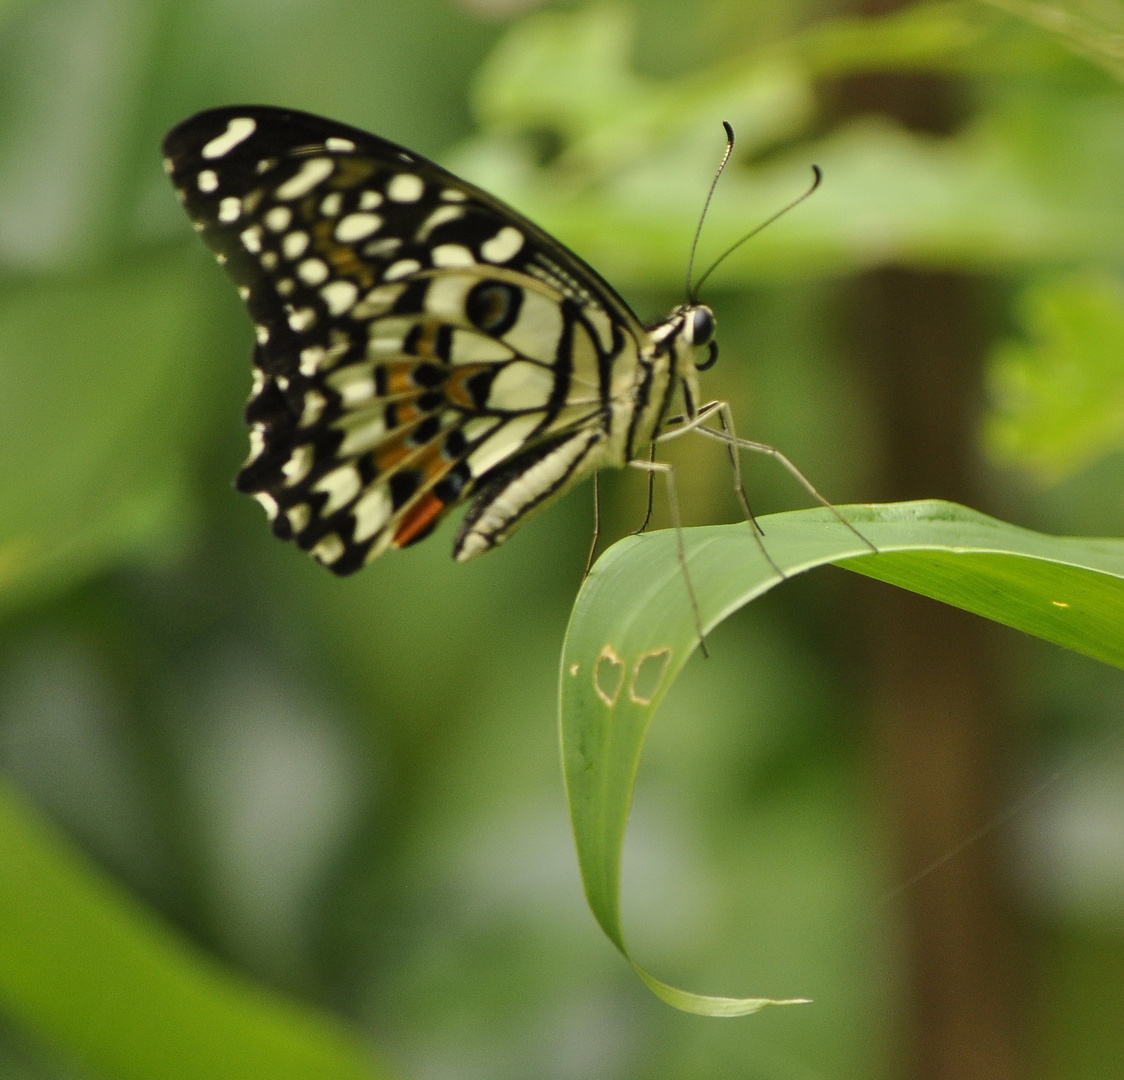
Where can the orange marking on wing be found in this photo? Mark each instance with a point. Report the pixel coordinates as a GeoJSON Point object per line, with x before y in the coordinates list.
{"type": "Point", "coordinates": [426, 343]}
{"type": "Point", "coordinates": [399, 378]}
{"type": "Point", "coordinates": [343, 258]}
{"type": "Point", "coordinates": [392, 455]}
{"type": "Point", "coordinates": [455, 389]}
{"type": "Point", "coordinates": [418, 519]}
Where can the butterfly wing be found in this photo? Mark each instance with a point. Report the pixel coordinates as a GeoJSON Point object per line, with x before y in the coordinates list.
{"type": "Point", "coordinates": [417, 340]}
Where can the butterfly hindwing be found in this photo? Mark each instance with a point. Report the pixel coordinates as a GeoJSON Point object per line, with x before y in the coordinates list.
{"type": "Point", "coordinates": [417, 340]}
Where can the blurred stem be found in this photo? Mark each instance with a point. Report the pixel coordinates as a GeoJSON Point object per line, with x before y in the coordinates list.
{"type": "Point", "coordinates": [936, 697]}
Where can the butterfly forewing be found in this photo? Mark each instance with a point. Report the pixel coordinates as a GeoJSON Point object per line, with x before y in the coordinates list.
{"type": "Point", "coordinates": [418, 342]}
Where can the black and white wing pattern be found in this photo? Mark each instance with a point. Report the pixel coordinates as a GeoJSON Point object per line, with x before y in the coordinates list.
{"type": "Point", "coordinates": [419, 343]}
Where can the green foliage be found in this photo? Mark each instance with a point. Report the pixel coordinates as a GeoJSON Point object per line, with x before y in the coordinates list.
{"type": "Point", "coordinates": [107, 501]}
{"type": "Point", "coordinates": [142, 1002]}
{"type": "Point", "coordinates": [1059, 389]}
{"type": "Point", "coordinates": [302, 799]}
{"type": "Point", "coordinates": [1032, 179]}
{"type": "Point", "coordinates": [1092, 30]}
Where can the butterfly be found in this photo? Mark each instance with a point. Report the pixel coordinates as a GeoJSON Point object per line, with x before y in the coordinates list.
{"type": "Point", "coordinates": [420, 344]}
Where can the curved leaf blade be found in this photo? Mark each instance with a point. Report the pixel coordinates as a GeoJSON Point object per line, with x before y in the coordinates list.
{"type": "Point", "coordinates": [632, 630]}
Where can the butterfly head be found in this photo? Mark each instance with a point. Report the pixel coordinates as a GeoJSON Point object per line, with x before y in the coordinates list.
{"type": "Point", "coordinates": [687, 329]}
{"type": "Point", "coordinates": [698, 332]}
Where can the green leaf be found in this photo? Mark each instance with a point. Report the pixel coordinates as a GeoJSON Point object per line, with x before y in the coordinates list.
{"type": "Point", "coordinates": [95, 427]}
{"type": "Point", "coordinates": [1059, 390]}
{"type": "Point", "coordinates": [93, 972]}
{"type": "Point", "coordinates": [632, 630]}
{"type": "Point", "coordinates": [1095, 31]}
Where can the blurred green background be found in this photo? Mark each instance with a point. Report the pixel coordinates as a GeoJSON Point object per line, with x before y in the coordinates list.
{"type": "Point", "coordinates": [255, 820]}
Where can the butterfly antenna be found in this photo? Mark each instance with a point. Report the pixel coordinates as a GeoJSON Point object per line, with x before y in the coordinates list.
{"type": "Point", "coordinates": [706, 206]}
{"type": "Point", "coordinates": [817, 177]}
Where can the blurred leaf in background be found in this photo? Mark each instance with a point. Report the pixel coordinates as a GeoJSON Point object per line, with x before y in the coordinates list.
{"type": "Point", "coordinates": [335, 806]}
{"type": "Point", "coordinates": [1060, 389]}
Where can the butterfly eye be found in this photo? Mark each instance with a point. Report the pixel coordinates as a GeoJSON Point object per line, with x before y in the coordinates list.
{"type": "Point", "coordinates": [700, 325]}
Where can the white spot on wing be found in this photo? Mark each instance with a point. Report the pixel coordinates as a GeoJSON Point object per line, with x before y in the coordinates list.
{"type": "Point", "coordinates": [301, 319]}
{"type": "Point", "coordinates": [441, 216]}
{"type": "Point", "coordinates": [341, 146]}
{"type": "Point", "coordinates": [238, 130]}
{"type": "Point", "coordinates": [299, 516]}
{"type": "Point", "coordinates": [330, 204]}
{"type": "Point", "coordinates": [402, 268]}
{"type": "Point", "coordinates": [278, 218]}
{"type": "Point", "coordinates": [208, 180]}
{"type": "Point", "coordinates": [405, 187]}
{"type": "Point", "coordinates": [452, 255]}
{"type": "Point", "coordinates": [377, 302]}
{"type": "Point", "coordinates": [365, 435]}
{"type": "Point", "coordinates": [251, 239]}
{"type": "Point", "coordinates": [311, 358]}
{"type": "Point", "coordinates": [269, 503]}
{"type": "Point", "coordinates": [340, 296]}
{"type": "Point", "coordinates": [299, 464]}
{"type": "Point", "coordinates": [368, 200]}
{"type": "Point", "coordinates": [313, 271]}
{"type": "Point", "coordinates": [353, 227]}
{"type": "Point", "coordinates": [314, 403]}
{"type": "Point", "coordinates": [230, 209]}
{"type": "Point", "coordinates": [378, 249]}
{"type": "Point", "coordinates": [294, 244]}
{"type": "Point", "coordinates": [371, 513]}
{"type": "Point", "coordinates": [314, 171]}
{"type": "Point", "coordinates": [329, 549]}
{"type": "Point", "coordinates": [452, 195]}
{"type": "Point", "coordinates": [257, 444]}
{"type": "Point", "coordinates": [503, 246]}
{"type": "Point", "coordinates": [341, 486]}
{"type": "Point", "coordinates": [354, 384]}
{"type": "Point", "coordinates": [262, 334]}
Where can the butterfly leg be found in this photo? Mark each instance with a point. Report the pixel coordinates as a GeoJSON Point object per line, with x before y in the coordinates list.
{"type": "Point", "coordinates": [668, 472]}
{"type": "Point", "coordinates": [728, 436]}
{"type": "Point", "coordinates": [651, 493]}
{"type": "Point", "coordinates": [725, 416]}
{"type": "Point", "coordinates": [596, 525]}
